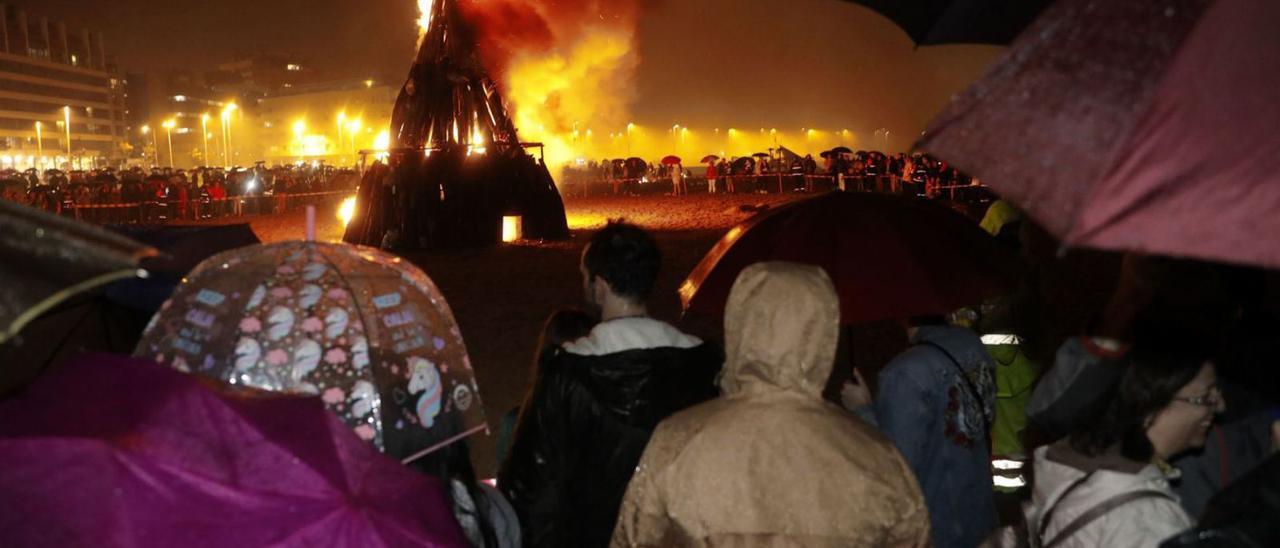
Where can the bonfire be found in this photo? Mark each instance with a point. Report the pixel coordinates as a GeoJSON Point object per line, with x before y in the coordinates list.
{"type": "Point", "coordinates": [455, 166]}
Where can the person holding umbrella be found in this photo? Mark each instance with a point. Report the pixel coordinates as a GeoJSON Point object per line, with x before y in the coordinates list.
{"type": "Point", "coordinates": [711, 160]}
{"type": "Point", "coordinates": [678, 187]}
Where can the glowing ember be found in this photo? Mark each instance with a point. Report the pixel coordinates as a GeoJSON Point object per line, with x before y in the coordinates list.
{"type": "Point", "coordinates": [346, 211]}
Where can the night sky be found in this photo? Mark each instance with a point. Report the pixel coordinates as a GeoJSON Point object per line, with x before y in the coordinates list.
{"type": "Point", "coordinates": [802, 63]}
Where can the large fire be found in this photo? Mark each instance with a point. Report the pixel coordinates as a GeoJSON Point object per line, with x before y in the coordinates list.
{"type": "Point", "coordinates": [567, 69]}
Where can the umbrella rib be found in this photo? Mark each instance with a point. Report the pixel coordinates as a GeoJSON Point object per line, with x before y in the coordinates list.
{"type": "Point", "coordinates": [49, 302]}
{"type": "Point", "coordinates": [456, 437]}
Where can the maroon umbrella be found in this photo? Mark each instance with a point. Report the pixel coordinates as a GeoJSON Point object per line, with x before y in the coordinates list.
{"type": "Point", "coordinates": [1140, 125]}
{"type": "Point", "coordinates": [113, 451]}
{"type": "Point", "coordinates": [889, 257]}
{"type": "Point", "coordinates": [671, 160]}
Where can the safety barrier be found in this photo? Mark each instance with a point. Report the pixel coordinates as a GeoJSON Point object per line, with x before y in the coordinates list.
{"type": "Point", "coordinates": [197, 208]}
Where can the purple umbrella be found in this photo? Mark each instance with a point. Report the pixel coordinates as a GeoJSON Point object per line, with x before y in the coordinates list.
{"type": "Point", "coordinates": [116, 451]}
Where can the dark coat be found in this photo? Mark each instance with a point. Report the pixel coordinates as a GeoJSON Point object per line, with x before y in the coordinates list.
{"type": "Point", "coordinates": [583, 430]}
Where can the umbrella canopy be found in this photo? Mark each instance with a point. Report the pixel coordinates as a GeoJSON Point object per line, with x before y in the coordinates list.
{"type": "Point", "coordinates": [367, 331]}
{"type": "Point", "coordinates": [841, 150]}
{"type": "Point", "coordinates": [1145, 126]}
{"type": "Point", "coordinates": [760, 155]}
{"type": "Point", "coordinates": [745, 163]}
{"type": "Point", "coordinates": [708, 158]}
{"type": "Point", "coordinates": [670, 160]}
{"type": "Point", "coordinates": [120, 452]}
{"type": "Point", "coordinates": [45, 259]}
{"type": "Point", "coordinates": [932, 22]}
{"type": "Point", "coordinates": [889, 257]}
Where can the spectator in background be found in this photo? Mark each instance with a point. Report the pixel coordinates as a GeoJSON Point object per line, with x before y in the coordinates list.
{"type": "Point", "coordinates": [677, 180]}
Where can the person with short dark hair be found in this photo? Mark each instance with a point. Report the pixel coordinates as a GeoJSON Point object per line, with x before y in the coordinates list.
{"type": "Point", "coordinates": [595, 403]}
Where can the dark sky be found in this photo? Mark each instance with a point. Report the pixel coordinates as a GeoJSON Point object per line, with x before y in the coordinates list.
{"type": "Point", "coordinates": [703, 62]}
{"type": "Point", "coordinates": [349, 36]}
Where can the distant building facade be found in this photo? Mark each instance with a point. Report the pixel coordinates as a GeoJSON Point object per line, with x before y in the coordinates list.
{"type": "Point", "coordinates": [49, 75]}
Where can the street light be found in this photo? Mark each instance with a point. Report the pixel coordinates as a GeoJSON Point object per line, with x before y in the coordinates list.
{"type": "Point", "coordinates": [342, 119]}
{"type": "Point", "coordinates": [39, 146]}
{"type": "Point", "coordinates": [204, 135]}
{"type": "Point", "coordinates": [226, 133]}
{"type": "Point", "coordinates": [155, 149]}
{"type": "Point", "coordinates": [66, 118]}
{"type": "Point", "coordinates": [168, 131]}
{"type": "Point", "coordinates": [353, 131]}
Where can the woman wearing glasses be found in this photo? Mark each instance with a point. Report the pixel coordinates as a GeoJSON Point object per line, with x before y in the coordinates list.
{"type": "Point", "coordinates": [1107, 484]}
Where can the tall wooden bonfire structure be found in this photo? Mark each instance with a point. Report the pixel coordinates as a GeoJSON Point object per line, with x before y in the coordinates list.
{"type": "Point", "coordinates": [456, 165]}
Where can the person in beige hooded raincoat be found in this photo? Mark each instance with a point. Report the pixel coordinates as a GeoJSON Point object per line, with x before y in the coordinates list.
{"type": "Point", "coordinates": [770, 463]}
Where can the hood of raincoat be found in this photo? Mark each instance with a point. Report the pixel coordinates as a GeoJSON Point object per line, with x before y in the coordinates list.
{"type": "Point", "coordinates": [781, 324]}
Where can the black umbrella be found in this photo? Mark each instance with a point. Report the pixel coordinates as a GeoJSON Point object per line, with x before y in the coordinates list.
{"type": "Point", "coordinates": [933, 22]}
{"type": "Point", "coordinates": [709, 158]}
{"type": "Point", "coordinates": [841, 150]}
{"type": "Point", "coordinates": [760, 155]}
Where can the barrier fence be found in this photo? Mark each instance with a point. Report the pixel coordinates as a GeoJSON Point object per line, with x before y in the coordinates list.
{"type": "Point", "coordinates": [773, 183]}
{"type": "Point", "coordinates": [198, 208]}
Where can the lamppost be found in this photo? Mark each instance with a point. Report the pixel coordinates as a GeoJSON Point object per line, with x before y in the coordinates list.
{"type": "Point", "coordinates": [342, 119]}
{"type": "Point", "coordinates": [204, 136]}
{"type": "Point", "coordinates": [66, 120]}
{"type": "Point", "coordinates": [354, 132]}
{"type": "Point", "coordinates": [39, 147]}
{"type": "Point", "coordinates": [168, 131]}
{"type": "Point", "coordinates": [155, 149]}
{"type": "Point", "coordinates": [884, 132]}
{"type": "Point", "coordinates": [226, 133]}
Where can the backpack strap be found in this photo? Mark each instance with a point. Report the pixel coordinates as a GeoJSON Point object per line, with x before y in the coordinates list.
{"type": "Point", "coordinates": [1096, 512]}
{"type": "Point", "coordinates": [1047, 515]}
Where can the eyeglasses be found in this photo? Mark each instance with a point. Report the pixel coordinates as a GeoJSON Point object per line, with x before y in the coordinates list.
{"type": "Point", "coordinates": [1211, 399]}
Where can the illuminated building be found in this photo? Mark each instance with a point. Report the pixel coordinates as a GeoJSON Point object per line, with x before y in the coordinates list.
{"type": "Point", "coordinates": [49, 74]}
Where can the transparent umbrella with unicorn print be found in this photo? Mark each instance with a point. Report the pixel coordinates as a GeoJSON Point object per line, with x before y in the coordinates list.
{"type": "Point", "coordinates": [366, 331]}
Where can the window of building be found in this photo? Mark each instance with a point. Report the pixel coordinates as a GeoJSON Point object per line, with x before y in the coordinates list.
{"type": "Point", "coordinates": [54, 73]}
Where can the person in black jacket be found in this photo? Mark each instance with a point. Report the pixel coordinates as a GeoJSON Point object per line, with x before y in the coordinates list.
{"type": "Point", "coordinates": [596, 400]}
